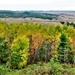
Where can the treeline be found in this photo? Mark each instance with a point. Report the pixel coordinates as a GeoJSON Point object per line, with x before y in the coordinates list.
{"type": "Point", "coordinates": [68, 23]}
{"type": "Point", "coordinates": [26, 43]}
{"type": "Point", "coordinates": [24, 14]}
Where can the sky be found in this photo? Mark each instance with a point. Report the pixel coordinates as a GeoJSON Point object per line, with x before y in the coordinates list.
{"type": "Point", "coordinates": [37, 4]}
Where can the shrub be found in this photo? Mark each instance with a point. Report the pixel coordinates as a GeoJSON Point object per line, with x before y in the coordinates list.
{"type": "Point", "coordinates": [56, 67]}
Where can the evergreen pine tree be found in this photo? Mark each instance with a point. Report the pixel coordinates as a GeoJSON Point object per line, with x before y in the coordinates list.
{"type": "Point", "coordinates": [63, 49]}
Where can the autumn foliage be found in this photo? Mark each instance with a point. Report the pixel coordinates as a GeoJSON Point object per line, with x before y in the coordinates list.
{"type": "Point", "coordinates": [37, 38]}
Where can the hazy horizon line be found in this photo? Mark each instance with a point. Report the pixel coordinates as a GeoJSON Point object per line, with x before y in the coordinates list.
{"type": "Point", "coordinates": [34, 10]}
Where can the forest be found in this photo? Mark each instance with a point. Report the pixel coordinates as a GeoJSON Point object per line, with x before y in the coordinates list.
{"type": "Point", "coordinates": [25, 14]}
{"type": "Point", "coordinates": [36, 49]}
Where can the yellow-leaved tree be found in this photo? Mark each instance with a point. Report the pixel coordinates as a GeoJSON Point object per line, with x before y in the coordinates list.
{"type": "Point", "coordinates": [19, 52]}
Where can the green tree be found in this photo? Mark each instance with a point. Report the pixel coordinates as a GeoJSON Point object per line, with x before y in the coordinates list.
{"type": "Point", "coordinates": [4, 50]}
{"type": "Point", "coordinates": [63, 49]}
{"type": "Point", "coordinates": [42, 52]}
